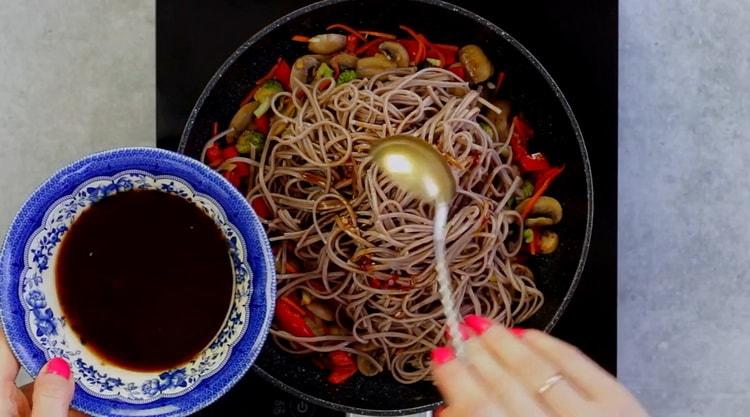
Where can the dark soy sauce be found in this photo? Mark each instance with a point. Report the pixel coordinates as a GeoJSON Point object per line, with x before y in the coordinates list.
{"type": "Point", "coordinates": [144, 279]}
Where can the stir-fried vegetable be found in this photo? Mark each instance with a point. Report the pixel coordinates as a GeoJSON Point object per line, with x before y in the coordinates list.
{"type": "Point", "coordinates": [347, 76]}
{"type": "Point", "coordinates": [249, 140]}
{"type": "Point", "coordinates": [324, 71]}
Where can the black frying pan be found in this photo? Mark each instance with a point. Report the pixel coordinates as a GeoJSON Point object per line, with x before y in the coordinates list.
{"type": "Point", "coordinates": [531, 90]}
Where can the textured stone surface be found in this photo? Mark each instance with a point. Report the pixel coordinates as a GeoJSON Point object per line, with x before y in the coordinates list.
{"type": "Point", "coordinates": [76, 77]}
{"type": "Point", "coordinates": [684, 289]}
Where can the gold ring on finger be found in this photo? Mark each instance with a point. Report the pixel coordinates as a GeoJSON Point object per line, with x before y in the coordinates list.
{"type": "Point", "coordinates": [549, 383]}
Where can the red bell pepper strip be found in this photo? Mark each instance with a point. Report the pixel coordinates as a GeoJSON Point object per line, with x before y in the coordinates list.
{"type": "Point", "coordinates": [324, 84]}
{"type": "Point", "coordinates": [534, 162]}
{"type": "Point", "coordinates": [411, 46]}
{"type": "Point", "coordinates": [459, 70]}
{"type": "Point", "coordinates": [351, 43]}
{"type": "Point", "coordinates": [340, 359]}
{"type": "Point", "coordinates": [316, 285]}
{"type": "Point", "coordinates": [543, 181]}
{"type": "Point", "coordinates": [340, 375]}
{"type": "Point", "coordinates": [233, 178]}
{"type": "Point", "coordinates": [229, 152]}
{"type": "Point", "coordinates": [242, 169]}
{"type": "Point", "coordinates": [213, 155]}
{"type": "Point", "coordinates": [301, 38]}
{"type": "Point", "coordinates": [377, 34]}
{"type": "Point", "coordinates": [446, 48]}
{"type": "Point", "coordinates": [269, 75]}
{"type": "Point", "coordinates": [283, 74]}
{"type": "Point", "coordinates": [291, 266]}
{"type": "Point", "coordinates": [447, 57]}
{"type": "Point", "coordinates": [522, 132]}
{"type": "Point", "coordinates": [260, 207]}
{"type": "Point", "coordinates": [431, 51]}
{"type": "Point", "coordinates": [262, 124]}
{"type": "Point", "coordinates": [280, 72]}
{"type": "Point", "coordinates": [422, 49]}
{"type": "Point", "coordinates": [369, 47]}
{"type": "Point", "coordinates": [535, 244]}
{"type": "Point", "coordinates": [291, 317]}
{"type": "Point", "coordinates": [214, 129]}
{"type": "Point", "coordinates": [499, 81]}
{"type": "Point", "coordinates": [347, 29]}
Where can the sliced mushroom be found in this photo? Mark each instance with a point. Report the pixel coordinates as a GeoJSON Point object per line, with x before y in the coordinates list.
{"type": "Point", "coordinates": [368, 366]}
{"type": "Point", "coordinates": [501, 121]}
{"type": "Point", "coordinates": [476, 62]}
{"type": "Point", "coordinates": [365, 347]}
{"type": "Point", "coordinates": [304, 67]}
{"type": "Point", "coordinates": [287, 109]}
{"type": "Point", "coordinates": [374, 65]}
{"type": "Point", "coordinates": [316, 326]}
{"type": "Point", "coordinates": [336, 331]}
{"type": "Point", "coordinates": [326, 43]}
{"type": "Point", "coordinates": [395, 52]}
{"type": "Point", "coordinates": [241, 120]}
{"type": "Point", "coordinates": [546, 212]}
{"type": "Point", "coordinates": [344, 61]}
{"type": "Point", "coordinates": [548, 242]}
{"type": "Point", "coordinates": [522, 270]}
{"type": "Point", "coordinates": [320, 310]}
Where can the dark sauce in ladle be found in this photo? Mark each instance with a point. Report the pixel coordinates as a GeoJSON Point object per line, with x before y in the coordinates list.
{"type": "Point", "coordinates": [144, 279]}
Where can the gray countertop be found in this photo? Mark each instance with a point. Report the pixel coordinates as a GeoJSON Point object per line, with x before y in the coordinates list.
{"type": "Point", "coordinates": [78, 76]}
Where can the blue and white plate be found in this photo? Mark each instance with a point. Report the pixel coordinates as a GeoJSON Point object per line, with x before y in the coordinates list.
{"type": "Point", "coordinates": [31, 314]}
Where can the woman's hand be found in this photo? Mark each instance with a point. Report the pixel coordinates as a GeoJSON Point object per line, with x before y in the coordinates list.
{"type": "Point", "coordinates": [525, 373]}
{"type": "Point", "coordinates": [49, 396]}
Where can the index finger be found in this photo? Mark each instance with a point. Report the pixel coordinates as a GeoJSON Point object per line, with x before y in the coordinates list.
{"type": "Point", "coordinates": [8, 364]}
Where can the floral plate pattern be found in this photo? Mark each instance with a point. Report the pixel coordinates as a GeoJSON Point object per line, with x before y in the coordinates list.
{"type": "Point", "coordinates": [32, 317]}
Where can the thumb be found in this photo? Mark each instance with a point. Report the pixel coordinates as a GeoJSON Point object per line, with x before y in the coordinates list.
{"type": "Point", "coordinates": [53, 390]}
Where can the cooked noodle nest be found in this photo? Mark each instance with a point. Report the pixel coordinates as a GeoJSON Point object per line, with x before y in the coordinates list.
{"type": "Point", "coordinates": [367, 246]}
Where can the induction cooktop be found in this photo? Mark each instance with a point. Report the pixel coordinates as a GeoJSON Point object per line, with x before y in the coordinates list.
{"type": "Point", "coordinates": [575, 41]}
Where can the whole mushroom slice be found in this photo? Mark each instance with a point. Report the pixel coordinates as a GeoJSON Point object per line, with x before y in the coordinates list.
{"type": "Point", "coordinates": [546, 212]}
{"type": "Point", "coordinates": [344, 61]}
{"type": "Point", "coordinates": [241, 120]}
{"type": "Point", "coordinates": [548, 242]}
{"type": "Point", "coordinates": [371, 66]}
{"type": "Point", "coordinates": [367, 366]}
{"type": "Point", "coordinates": [326, 43]}
{"type": "Point", "coordinates": [476, 63]}
{"type": "Point", "coordinates": [501, 121]}
{"type": "Point", "coordinates": [395, 52]}
{"type": "Point", "coordinates": [303, 68]}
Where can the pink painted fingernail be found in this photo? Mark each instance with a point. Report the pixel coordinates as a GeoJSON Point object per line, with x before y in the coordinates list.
{"type": "Point", "coordinates": [59, 367]}
{"type": "Point", "coordinates": [517, 331]}
{"type": "Point", "coordinates": [477, 323]}
{"type": "Point", "coordinates": [443, 354]}
{"type": "Point", "coordinates": [439, 411]}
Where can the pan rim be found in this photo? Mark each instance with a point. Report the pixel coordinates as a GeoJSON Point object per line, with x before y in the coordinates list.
{"type": "Point", "coordinates": [550, 82]}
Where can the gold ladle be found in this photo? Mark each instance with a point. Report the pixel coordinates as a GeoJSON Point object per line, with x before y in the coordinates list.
{"type": "Point", "coordinates": [418, 168]}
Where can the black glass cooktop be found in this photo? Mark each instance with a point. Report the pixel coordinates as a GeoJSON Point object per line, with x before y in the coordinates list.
{"type": "Point", "coordinates": [575, 41]}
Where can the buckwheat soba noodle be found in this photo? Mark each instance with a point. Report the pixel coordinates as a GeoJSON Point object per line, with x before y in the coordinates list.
{"type": "Point", "coordinates": [357, 288]}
